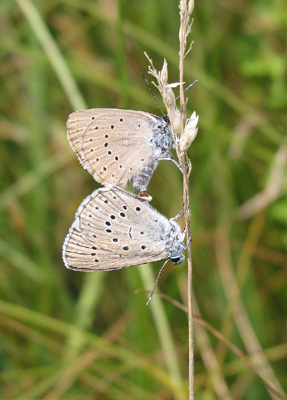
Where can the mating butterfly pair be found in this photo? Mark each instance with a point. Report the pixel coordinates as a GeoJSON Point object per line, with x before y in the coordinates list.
{"type": "Point", "coordinates": [113, 228]}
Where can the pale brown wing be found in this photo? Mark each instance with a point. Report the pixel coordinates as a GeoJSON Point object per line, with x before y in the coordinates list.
{"type": "Point", "coordinates": [113, 230]}
{"type": "Point", "coordinates": [112, 144]}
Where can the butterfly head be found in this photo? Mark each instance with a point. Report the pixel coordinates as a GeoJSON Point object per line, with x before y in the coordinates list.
{"type": "Point", "coordinates": [163, 137]}
{"type": "Point", "coordinates": [177, 244]}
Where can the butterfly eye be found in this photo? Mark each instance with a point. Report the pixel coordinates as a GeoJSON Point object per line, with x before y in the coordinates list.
{"type": "Point", "coordinates": [177, 259]}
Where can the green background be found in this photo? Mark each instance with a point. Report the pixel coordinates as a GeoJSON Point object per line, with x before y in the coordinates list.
{"type": "Point", "coordinates": [72, 335]}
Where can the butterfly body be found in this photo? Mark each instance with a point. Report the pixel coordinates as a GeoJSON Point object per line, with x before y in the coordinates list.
{"type": "Point", "coordinates": [113, 230]}
{"type": "Point", "coordinates": [117, 146]}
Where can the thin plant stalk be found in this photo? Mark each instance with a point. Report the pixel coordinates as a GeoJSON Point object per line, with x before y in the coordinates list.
{"type": "Point", "coordinates": [184, 131]}
{"type": "Point", "coordinates": [182, 158]}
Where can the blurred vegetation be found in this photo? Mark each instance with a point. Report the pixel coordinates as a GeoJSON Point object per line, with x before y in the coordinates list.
{"type": "Point", "coordinates": [72, 335]}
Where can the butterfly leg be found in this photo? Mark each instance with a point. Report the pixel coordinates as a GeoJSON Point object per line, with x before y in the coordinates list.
{"type": "Point", "coordinates": [172, 160]}
{"type": "Point", "coordinates": [179, 215]}
{"type": "Point", "coordinates": [185, 245]}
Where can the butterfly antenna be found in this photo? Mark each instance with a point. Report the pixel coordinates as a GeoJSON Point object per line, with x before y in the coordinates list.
{"type": "Point", "coordinates": [152, 93]}
{"type": "Point", "coordinates": [157, 278]}
{"type": "Point", "coordinates": [188, 87]}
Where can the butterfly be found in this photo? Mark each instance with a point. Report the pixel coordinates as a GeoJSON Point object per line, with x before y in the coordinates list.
{"type": "Point", "coordinates": [118, 146]}
{"type": "Point", "coordinates": [113, 229]}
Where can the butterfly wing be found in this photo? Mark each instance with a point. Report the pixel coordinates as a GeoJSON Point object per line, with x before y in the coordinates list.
{"type": "Point", "coordinates": [112, 144]}
{"type": "Point", "coordinates": [113, 230]}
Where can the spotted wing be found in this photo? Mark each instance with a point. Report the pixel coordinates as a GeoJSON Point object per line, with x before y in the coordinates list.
{"type": "Point", "coordinates": [112, 144]}
{"type": "Point", "coordinates": [113, 230]}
